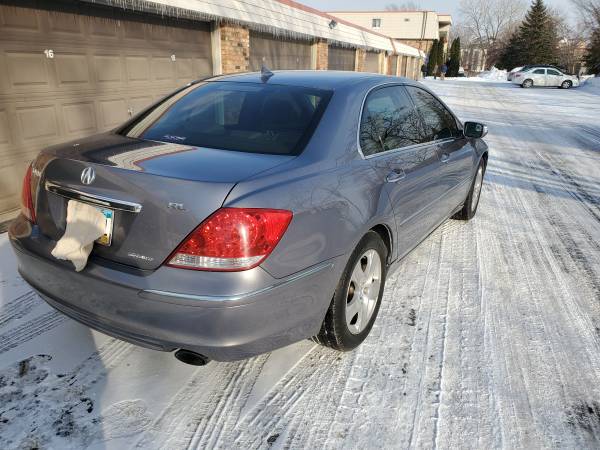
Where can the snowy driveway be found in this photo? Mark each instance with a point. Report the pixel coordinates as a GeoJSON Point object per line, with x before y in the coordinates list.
{"type": "Point", "coordinates": [488, 335]}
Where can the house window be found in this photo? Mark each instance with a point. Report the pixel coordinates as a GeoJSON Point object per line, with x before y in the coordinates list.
{"type": "Point", "coordinates": [376, 23]}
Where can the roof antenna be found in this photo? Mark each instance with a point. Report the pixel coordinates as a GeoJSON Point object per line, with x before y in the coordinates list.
{"type": "Point", "coordinates": [265, 73]}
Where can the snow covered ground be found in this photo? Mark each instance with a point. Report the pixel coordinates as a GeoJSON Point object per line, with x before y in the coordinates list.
{"type": "Point", "coordinates": [488, 335]}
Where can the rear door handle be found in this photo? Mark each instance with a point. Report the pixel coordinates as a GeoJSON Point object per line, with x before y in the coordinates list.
{"type": "Point", "coordinates": [395, 175]}
{"type": "Point", "coordinates": [445, 157]}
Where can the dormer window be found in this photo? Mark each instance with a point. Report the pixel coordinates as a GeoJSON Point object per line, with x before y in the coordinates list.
{"type": "Point", "coordinates": [376, 23]}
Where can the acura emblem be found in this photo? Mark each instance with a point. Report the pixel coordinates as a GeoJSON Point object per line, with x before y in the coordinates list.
{"type": "Point", "coordinates": [88, 175]}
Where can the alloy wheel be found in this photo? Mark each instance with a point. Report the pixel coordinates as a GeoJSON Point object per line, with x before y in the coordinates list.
{"type": "Point", "coordinates": [477, 188]}
{"type": "Point", "coordinates": [363, 291]}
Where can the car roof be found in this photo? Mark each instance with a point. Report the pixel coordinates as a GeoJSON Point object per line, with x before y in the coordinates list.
{"type": "Point", "coordinates": [319, 79]}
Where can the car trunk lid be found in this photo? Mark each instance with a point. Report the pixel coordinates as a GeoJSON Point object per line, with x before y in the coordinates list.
{"type": "Point", "coordinates": [159, 192]}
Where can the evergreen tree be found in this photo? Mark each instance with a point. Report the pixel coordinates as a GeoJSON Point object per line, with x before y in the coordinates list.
{"type": "Point", "coordinates": [433, 57]}
{"type": "Point", "coordinates": [441, 57]}
{"type": "Point", "coordinates": [512, 56]}
{"type": "Point", "coordinates": [537, 40]}
{"type": "Point", "coordinates": [454, 61]}
{"type": "Point", "coordinates": [592, 58]}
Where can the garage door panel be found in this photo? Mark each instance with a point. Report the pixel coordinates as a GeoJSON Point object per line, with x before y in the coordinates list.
{"type": "Point", "coordinates": [37, 122]}
{"type": "Point", "coordinates": [26, 69]}
{"type": "Point", "coordinates": [19, 18]}
{"type": "Point", "coordinates": [65, 24]}
{"type": "Point", "coordinates": [184, 68]}
{"type": "Point", "coordinates": [5, 138]}
{"type": "Point", "coordinates": [134, 31]}
{"type": "Point", "coordinates": [202, 68]}
{"type": "Point", "coordinates": [137, 104]}
{"type": "Point", "coordinates": [138, 68]}
{"type": "Point", "coordinates": [103, 28]}
{"type": "Point", "coordinates": [113, 112]}
{"type": "Point", "coordinates": [79, 118]}
{"type": "Point", "coordinates": [71, 69]}
{"type": "Point", "coordinates": [163, 68]}
{"type": "Point", "coordinates": [108, 68]}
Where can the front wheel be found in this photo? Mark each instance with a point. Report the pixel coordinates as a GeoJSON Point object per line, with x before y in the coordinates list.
{"type": "Point", "coordinates": [357, 297]}
{"type": "Point", "coordinates": [566, 84]}
{"type": "Point", "coordinates": [472, 201]}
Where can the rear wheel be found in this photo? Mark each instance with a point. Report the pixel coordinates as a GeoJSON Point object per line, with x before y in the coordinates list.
{"type": "Point", "coordinates": [527, 83]}
{"type": "Point", "coordinates": [472, 201]}
{"type": "Point", "coordinates": [566, 84]}
{"type": "Point", "coordinates": [356, 300]}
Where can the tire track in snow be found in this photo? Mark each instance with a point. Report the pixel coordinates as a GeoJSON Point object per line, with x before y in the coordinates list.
{"type": "Point", "coordinates": [30, 330]}
{"type": "Point", "coordinates": [19, 307]}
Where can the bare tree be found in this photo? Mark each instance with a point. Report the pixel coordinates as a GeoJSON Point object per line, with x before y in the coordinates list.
{"type": "Point", "coordinates": [487, 21]}
{"type": "Point", "coordinates": [589, 12]}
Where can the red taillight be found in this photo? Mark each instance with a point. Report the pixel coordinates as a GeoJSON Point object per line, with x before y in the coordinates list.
{"type": "Point", "coordinates": [26, 200]}
{"type": "Point", "coordinates": [232, 239]}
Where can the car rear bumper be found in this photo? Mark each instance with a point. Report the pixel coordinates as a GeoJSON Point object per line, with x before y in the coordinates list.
{"type": "Point", "coordinates": [223, 315]}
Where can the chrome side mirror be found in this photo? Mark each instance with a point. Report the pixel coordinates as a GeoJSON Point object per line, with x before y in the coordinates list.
{"type": "Point", "coordinates": [475, 130]}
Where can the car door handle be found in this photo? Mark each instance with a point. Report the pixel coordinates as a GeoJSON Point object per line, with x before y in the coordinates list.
{"type": "Point", "coordinates": [445, 157]}
{"type": "Point", "coordinates": [395, 175]}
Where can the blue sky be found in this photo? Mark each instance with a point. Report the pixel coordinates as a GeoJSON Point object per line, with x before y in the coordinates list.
{"type": "Point", "coordinates": [442, 6]}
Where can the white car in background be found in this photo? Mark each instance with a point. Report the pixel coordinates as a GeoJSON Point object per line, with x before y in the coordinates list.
{"type": "Point", "coordinates": [545, 77]}
{"type": "Point", "coordinates": [511, 74]}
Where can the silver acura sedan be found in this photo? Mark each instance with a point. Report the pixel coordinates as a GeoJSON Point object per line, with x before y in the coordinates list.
{"type": "Point", "coordinates": [247, 212]}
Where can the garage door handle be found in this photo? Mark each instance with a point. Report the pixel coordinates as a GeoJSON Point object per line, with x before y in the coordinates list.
{"type": "Point", "coordinates": [445, 157]}
{"type": "Point", "coordinates": [395, 175]}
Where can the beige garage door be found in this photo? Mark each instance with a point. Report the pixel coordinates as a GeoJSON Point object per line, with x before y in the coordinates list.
{"type": "Point", "coordinates": [65, 75]}
{"type": "Point", "coordinates": [339, 58]}
{"type": "Point", "coordinates": [278, 53]}
{"type": "Point", "coordinates": [372, 62]}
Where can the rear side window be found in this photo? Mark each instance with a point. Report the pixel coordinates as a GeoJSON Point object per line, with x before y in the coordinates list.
{"type": "Point", "coordinates": [438, 122]}
{"type": "Point", "coordinates": [247, 117]}
{"type": "Point", "coordinates": [389, 121]}
{"type": "Point", "coordinates": [540, 71]}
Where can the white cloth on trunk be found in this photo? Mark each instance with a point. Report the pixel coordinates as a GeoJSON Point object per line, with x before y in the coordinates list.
{"type": "Point", "coordinates": [85, 224]}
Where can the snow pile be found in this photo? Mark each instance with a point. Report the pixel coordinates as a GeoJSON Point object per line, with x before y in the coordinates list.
{"type": "Point", "coordinates": [493, 75]}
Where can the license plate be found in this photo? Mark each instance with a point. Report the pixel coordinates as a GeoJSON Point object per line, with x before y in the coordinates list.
{"type": "Point", "coordinates": [106, 238]}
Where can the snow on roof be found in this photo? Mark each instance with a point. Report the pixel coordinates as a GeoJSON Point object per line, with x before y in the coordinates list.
{"type": "Point", "coordinates": [404, 49]}
{"type": "Point", "coordinates": [284, 18]}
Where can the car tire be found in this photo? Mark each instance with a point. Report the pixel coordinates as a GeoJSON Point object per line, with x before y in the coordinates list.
{"type": "Point", "coordinates": [527, 83]}
{"type": "Point", "coordinates": [357, 298]}
{"type": "Point", "coordinates": [566, 84]}
{"type": "Point", "coordinates": [472, 201]}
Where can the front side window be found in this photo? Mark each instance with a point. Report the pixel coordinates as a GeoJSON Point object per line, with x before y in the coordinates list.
{"type": "Point", "coordinates": [553, 72]}
{"type": "Point", "coordinates": [247, 117]}
{"type": "Point", "coordinates": [438, 123]}
{"type": "Point", "coordinates": [389, 121]}
{"type": "Point", "coordinates": [539, 71]}
{"type": "Point", "coordinates": [376, 23]}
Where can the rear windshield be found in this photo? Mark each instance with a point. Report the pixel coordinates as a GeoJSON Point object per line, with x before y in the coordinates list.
{"type": "Point", "coordinates": [247, 117]}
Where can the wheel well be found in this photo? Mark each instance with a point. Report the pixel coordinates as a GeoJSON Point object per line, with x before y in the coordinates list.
{"type": "Point", "coordinates": [384, 232]}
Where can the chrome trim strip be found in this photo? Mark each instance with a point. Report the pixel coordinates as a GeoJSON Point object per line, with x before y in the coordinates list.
{"type": "Point", "coordinates": [233, 298]}
{"type": "Point", "coordinates": [94, 199]}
